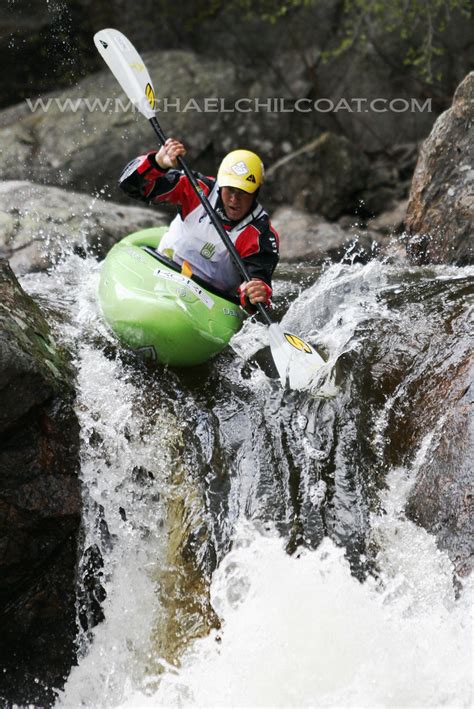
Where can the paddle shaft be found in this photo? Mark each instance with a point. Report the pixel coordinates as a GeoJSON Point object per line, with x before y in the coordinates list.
{"type": "Point", "coordinates": [213, 217]}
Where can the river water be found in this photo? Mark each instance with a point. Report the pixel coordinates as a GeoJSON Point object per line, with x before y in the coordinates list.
{"type": "Point", "coordinates": [245, 546]}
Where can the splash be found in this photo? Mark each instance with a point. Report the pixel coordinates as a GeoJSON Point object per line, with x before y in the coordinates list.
{"type": "Point", "coordinates": [300, 631]}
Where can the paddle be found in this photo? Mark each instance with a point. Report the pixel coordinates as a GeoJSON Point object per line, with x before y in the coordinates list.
{"type": "Point", "coordinates": [296, 361]}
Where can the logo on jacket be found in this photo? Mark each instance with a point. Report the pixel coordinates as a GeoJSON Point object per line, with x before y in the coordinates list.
{"type": "Point", "coordinates": [208, 250]}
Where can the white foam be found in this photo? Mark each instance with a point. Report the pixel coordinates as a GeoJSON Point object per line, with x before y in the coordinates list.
{"type": "Point", "coordinates": [303, 632]}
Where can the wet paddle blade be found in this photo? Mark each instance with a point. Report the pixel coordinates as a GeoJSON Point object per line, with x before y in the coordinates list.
{"type": "Point", "coordinates": [128, 68]}
{"type": "Point", "coordinates": [296, 361]}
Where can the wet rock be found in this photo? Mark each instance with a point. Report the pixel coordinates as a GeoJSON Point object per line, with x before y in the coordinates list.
{"type": "Point", "coordinates": [425, 373]}
{"type": "Point", "coordinates": [305, 236]}
{"type": "Point", "coordinates": [185, 581]}
{"type": "Point", "coordinates": [39, 223]}
{"type": "Point", "coordinates": [405, 401]}
{"type": "Point", "coordinates": [40, 502]}
{"type": "Point", "coordinates": [324, 176]}
{"type": "Point", "coordinates": [442, 499]}
{"type": "Point", "coordinates": [440, 216]}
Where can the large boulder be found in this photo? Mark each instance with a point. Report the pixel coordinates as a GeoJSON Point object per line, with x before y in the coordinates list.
{"type": "Point", "coordinates": [39, 223]}
{"type": "Point", "coordinates": [40, 502]}
{"type": "Point", "coordinates": [440, 216]}
{"type": "Point", "coordinates": [83, 137]}
{"type": "Point", "coordinates": [310, 237]}
{"type": "Point", "coordinates": [325, 176]}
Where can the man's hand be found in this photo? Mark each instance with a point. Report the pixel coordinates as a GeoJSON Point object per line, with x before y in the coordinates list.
{"type": "Point", "coordinates": [167, 155]}
{"type": "Point", "coordinates": [256, 291]}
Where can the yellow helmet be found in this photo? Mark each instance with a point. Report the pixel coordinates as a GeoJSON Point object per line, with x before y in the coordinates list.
{"type": "Point", "coordinates": [242, 169]}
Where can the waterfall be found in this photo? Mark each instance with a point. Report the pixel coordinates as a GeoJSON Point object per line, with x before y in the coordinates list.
{"type": "Point", "coordinates": [246, 546]}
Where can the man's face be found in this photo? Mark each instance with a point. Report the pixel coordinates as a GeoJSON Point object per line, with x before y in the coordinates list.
{"type": "Point", "coordinates": [236, 202]}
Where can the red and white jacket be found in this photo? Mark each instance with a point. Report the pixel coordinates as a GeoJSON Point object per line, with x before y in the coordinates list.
{"type": "Point", "coordinates": [191, 235]}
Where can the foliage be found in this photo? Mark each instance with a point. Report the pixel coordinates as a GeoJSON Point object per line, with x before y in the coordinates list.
{"type": "Point", "coordinates": [418, 23]}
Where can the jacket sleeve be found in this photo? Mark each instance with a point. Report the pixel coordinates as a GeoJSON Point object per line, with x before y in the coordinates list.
{"type": "Point", "coordinates": [142, 179]}
{"type": "Point", "coordinates": [258, 246]}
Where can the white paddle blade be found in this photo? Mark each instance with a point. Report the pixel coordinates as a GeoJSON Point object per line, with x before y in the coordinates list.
{"type": "Point", "coordinates": [128, 68]}
{"type": "Point", "coordinates": [296, 361]}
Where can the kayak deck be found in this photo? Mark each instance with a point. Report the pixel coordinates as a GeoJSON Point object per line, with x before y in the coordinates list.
{"type": "Point", "coordinates": [155, 310]}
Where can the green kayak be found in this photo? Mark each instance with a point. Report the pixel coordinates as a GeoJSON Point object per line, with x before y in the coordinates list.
{"type": "Point", "coordinates": [156, 310]}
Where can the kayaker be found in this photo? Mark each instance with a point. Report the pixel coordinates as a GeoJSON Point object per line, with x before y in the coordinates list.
{"type": "Point", "coordinates": [154, 178]}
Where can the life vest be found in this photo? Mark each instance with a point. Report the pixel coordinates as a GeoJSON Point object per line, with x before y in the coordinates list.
{"type": "Point", "coordinates": [195, 239]}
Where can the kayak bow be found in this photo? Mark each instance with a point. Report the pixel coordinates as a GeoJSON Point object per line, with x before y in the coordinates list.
{"type": "Point", "coordinates": [156, 310]}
